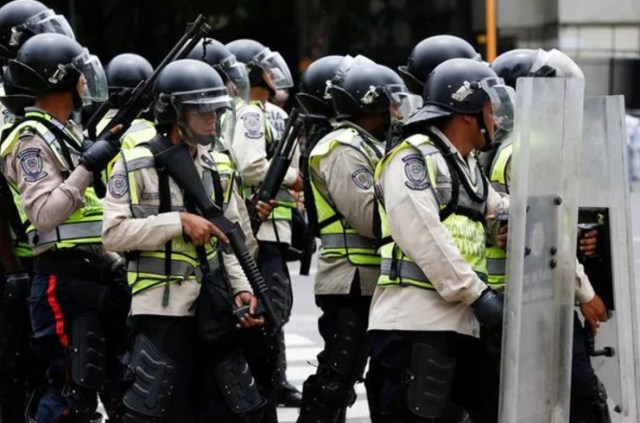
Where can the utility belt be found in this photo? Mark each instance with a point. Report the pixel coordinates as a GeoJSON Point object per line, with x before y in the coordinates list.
{"type": "Point", "coordinates": [74, 264]}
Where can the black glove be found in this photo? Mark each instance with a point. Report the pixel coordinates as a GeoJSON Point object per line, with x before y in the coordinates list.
{"type": "Point", "coordinates": [16, 289]}
{"type": "Point", "coordinates": [99, 155]}
{"type": "Point", "coordinates": [488, 309]}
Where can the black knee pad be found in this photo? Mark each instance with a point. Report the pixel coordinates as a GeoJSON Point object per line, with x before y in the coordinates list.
{"type": "Point", "coordinates": [346, 354]}
{"type": "Point", "coordinates": [153, 379]}
{"type": "Point", "coordinates": [238, 386]}
{"type": "Point", "coordinates": [88, 353]}
{"type": "Point", "coordinates": [331, 393]}
{"type": "Point", "coordinates": [431, 376]}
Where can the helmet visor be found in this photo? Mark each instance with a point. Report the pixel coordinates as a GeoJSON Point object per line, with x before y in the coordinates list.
{"type": "Point", "coordinates": [201, 101]}
{"type": "Point", "coordinates": [555, 63]}
{"type": "Point", "coordinates": [96, 88]}
{"type": "Point", "coordinates": [276, 69]}
{"type": "Point", "coordinates": [44, 22]}
{"type": "Point", "coordinates": [237, 74]}
{"type": "Point", "coordinates": [502, 99]}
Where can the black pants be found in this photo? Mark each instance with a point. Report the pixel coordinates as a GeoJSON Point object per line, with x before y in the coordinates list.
{"type": "Point", "coordinates": [174, 338]}
{"type": "Point", "coordinates": [584, 382]}
{"type": "Point", "coordinates": [473, 383]}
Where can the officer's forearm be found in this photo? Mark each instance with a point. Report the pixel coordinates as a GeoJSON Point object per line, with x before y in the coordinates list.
{"type": "Point", "coordinates": [128, 234]}
{"type": "Point", "coordinates": [53, 208]}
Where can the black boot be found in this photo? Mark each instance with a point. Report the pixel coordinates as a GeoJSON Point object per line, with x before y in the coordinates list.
{"type": "Point", "coordinates": [287, 395]}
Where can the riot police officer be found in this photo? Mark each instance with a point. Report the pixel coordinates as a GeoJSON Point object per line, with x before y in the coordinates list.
{"type": "Point", "coordinates": [255, 137]}
{"type": "Point", "coordinates": [588, 399]}
{"type": "Point", "coordinates": [48, 167]}
{"type": "Point", "coordinates": [19, 20]}
{"type": "Point", "coordinates": [146, 213]}
{"type": "Point", "coordinates": [348, 268]}
{"type": "Point", "coordinates": [432, 299]}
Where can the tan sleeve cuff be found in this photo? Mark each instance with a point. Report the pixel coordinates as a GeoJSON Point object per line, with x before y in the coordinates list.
{"type": "Point", "coordinates": [474, 292]}
{"type": "Point", "coordinates": [80, 178]}
{"type": "Point", "coordinates": [240, 284]}
{"type": "Point", "coordinates": [584, 291]}
{"type": "Point", "coordinates": [172, 223]}
{"type": "Point", "coordinates": [291, 176]}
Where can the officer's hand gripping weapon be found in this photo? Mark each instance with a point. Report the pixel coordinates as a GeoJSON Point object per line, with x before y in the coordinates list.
{"type": "Point", "coordinates": [278, 168]}
{"type": "Point", "coordinates": [177, 162]}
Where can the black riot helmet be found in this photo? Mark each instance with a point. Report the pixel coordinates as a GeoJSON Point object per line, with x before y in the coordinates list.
{"type": "Point", "coordinates": [266, 68]}
{"type": "Point", "coordinates": [463, 86]}
{"type": "Point", "coordinates": [54, 63]}
{"type": "Point", "coordinates": [367, 89]}
{"type": "Point", "coordinates": [191, 86]}
{"type": "Point", "coordinates": [14, 98]}
{"type": "Point", "coordinates": [314, 97]}
{"type": "Point", "coordinates": [520, 63]}
{"type": "Point", "coordinates": [22, 19]}
{"type": "Point", "coordinates": [124, 74]}
{"type": "Point", "coordinates": [428, 54]}
{"type": "Point", "coordinates": [233, 73]}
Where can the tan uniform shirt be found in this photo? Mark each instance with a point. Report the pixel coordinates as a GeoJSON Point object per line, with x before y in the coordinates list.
{"type": "Point", "coordinates": [416, 227]}
{"type": "Point", "coordinates": [48, 199]}
{"type": "Point", "coordinates": [354, 198]}
{"type": "Point", "coordinates": [122, 232]}
{"type": "Point", "coordinates": [249, 150]}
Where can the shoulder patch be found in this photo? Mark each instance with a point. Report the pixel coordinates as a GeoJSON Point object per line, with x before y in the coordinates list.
{"type": "Point", "coordinates": [415, 172]}
{"type": "Point", "coordinates": [118, 186]}
{"type": "Point", "coordinates": [32, 164]}
{"type": "Point", "coordinates": [252, 125]}
{"type": "Point", "coordinates": [363, 178]}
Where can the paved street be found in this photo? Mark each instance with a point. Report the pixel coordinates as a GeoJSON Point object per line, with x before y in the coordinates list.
{"type": "Point", "coordinates": [304, 343]}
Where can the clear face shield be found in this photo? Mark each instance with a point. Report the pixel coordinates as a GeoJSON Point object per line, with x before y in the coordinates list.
{"type": "Point", "coordinates": [203, 115]}
{"type": "Point", "coordinates": [95, 88]}
{"type": "Point", "coordinates": [347, 64]}
{"type": "Point", "coordinates": [238, 77]}
{"type": "Point", "coordinates": [555, 63]}
{"type": "Point", "coordinates": [277, 72]}
{"type": "Point", "coordinates": [44, 22]}
{"type": "Point", "coordinates": [502, 99]}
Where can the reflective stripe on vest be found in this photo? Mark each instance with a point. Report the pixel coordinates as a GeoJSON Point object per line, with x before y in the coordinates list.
{"type": "Point", "coordinates": [140, 131]}
{"type": "Point", "coordinates": [148, 270]}
{"type": "Point", "coordinates": [338, 241]}
{"type": "Point", "coordinates": [496, 256]}
{"type": "Point", "coordinates": [467, 233]}
{"type": "Point", "coordinates": [84, 225]}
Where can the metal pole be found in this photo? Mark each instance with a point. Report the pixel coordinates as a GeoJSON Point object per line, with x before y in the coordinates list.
{"type": "Point", "coordinates": [492, 44]}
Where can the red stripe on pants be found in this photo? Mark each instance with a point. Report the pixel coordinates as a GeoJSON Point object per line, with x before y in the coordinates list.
{"type": "Point", "coordinates": [57, 311]}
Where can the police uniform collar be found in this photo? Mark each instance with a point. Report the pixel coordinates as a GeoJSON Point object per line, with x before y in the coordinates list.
{"type": "Point", "coordinates": [203, 156]}
{"type": "Point", "coordinates": [349, 124]}
{"type": "Point", "coordinates": [469, 162]}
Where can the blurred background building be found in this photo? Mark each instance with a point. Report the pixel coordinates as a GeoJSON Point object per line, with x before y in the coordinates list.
{"type": "Point", "coordinates": [602, 36]}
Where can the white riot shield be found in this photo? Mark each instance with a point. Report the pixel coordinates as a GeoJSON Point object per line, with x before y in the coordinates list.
{"type": "Point", "coordinates": [604, 204]}
{"type": "Point", "coordinates": [541, 255]}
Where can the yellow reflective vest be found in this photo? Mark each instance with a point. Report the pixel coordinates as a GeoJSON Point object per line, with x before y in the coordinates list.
{"type": "Point", "coordinates": [148, 269]}
{"type": "Point", "coordinates": [337, 239]}
{"type": "Point", "coordinates": [463, 219]}
{"type": "Point", "coordinates": [496, 256]}
{"type": "Point", "coordinates": [84, 225]}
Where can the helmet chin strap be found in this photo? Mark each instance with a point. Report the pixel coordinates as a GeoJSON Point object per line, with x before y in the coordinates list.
{"type": "Point", "coordinates": [192, 139]}
{"type": "Point", "coordinates": [488, 141]}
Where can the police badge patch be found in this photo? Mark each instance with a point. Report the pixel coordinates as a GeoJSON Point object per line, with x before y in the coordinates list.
{"type": "Point", "coordinates": [32, 164]}
{"type": "Point", "coordinates": [252, 125]}
{"type": "Point", "coordinates": [363, 178]}
{"type": "Point", "coordinates": [118, 186]}
{"type": "Point", "coordinates": [207, 160]}
{"type": "Point", "coordinates": [415, 172]}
